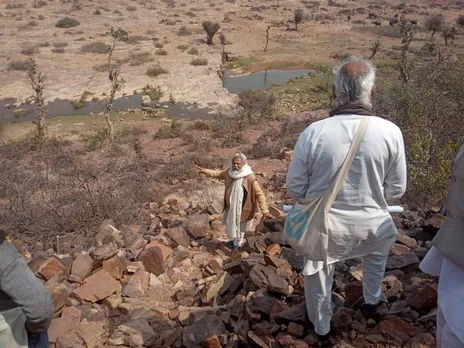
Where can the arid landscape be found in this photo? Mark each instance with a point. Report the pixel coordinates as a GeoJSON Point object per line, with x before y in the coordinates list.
{"type": "Point", "coordinates": [102, 197]}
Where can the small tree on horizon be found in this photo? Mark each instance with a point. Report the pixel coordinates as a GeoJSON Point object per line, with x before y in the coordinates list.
{"type": "Point", "coordinates": [37, 82]}
{"type": "Point", "coordinates": [211, 28]}
{"type": "Point", "coordinates": [298, 18]}
{"type": "Point", "coordinates": [267, 38]}
{"type": "Point", "coordinates": [374, 49]}
{"type": "Point", "coordinates": [114, 76]}
{"type": "Point", "coordinates": [434, 24]}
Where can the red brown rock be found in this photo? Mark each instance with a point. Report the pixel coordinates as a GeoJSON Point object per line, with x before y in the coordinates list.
{"type": "Point", "coordinates": [399, 249]}
{"type": "Point", "coordinates": [138, 285]}
{"type": "Point", "coordinates": [353, 292]}
{"type": "Point", "coordinates": [178, 235]}
{"type": "Point", "coordinates": [272, 249]}
{"type": "Point", "coordinates": [153, 260]}
{"type": "Point", "coordinates": [74, 313]}
{"type": "Point", "coordinates": [60, 327]}
{"type": "Point", "coordinates": [82, 266]}
{"type": "Point", "coordinates": [397, 329]}
{"type": "Point", "coordinates": [93, 334]}
{"type": "Point", "coordinates": [195, 231]}
{"type": "Point", "coordinates": [166, 251]}
{"type": "Point", "coordinates": [424, 297]}
{"type": "Point", "coordinates": [97, 287]}
{"type": "Point", "coordinates": [51, 267]}
{"type": "Point", "coordinates": [211, 342]}
{"type": "Point", "coordinates": [115, 266]}
{"type": "Point", "coordinates": [295, 330]}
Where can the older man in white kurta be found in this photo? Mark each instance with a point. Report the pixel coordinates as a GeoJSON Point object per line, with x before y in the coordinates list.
{"type": "Point", "coordinates": [446, 260]}
{"type": "Point", "coordinates": [359, 224]}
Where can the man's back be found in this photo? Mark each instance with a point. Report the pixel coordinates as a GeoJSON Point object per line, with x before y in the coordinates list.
{"type": "Point", "coordinates": [377, 175]}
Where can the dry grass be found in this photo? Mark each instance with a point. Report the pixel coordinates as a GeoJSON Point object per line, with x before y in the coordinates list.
{"type": "Point", "coordinates": [199, 62]}
{"type": "Point", "coordinates": [161, 52]}
{"type": "Point", "coordinates": [156, 70]}
{"type": "Point", "coordinates": [136, 59]}
{"type": "Point", "coordinates": [193, 51]}
{"type": "Point", "coordinates": [20, 65]}
{"type": "Point", "coordinates": [96, 47]}
{"type": "Point", "coordinates": [67, 22]}
{"type": "Point", "coordinates": [30, 50]}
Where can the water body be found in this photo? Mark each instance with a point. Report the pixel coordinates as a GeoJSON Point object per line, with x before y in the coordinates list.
{"type": "Point", "coordinates": [63, 107]}
{"type": "Point", "coordinates": [260, 80]}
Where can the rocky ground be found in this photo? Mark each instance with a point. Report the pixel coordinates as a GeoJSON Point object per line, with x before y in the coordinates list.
{"type": "Point", "coordinates": [174, 283]}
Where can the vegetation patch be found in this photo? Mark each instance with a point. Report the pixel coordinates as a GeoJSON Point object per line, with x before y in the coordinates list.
{"type": "Point", "coordinates": [67, 22]}
{"type": "Point", "coordinates": [96, 47]}
{"type": "Point", "coordinates": [156, 70]}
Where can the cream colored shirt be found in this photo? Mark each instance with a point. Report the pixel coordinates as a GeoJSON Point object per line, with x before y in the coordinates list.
{"type": "Point", "coordinates": [358, 221]}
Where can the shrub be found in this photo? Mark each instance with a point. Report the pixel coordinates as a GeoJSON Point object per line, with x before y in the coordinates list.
{"type": "Point", "coordinates": [183, 31]}
{"type": "Point", "coordinates": [460, 20]}
{"type": "Point", "coordinates": [211, 28]}
{"type": "Point", "coordinates": [201, 126]}
{"type": "Point", "coordinates": [199, 62]}
{"type": "Point", "coordinates": [434, 23]}
{"type": "Point", "coordinates": [156, 71]}
{"type": "Point", "coordinates": [159, 45]}
{"type": "Point", "coordinates": [20, 65]}
{"type": "Point", "coordinates": [429, 112]}
{"type": "Point", "coordinates": [298, 18]}
{"type": "Point", "coordinates": [131, 8]}
{"type": "Point", "coordinates": [183, 47]}
{"type": "Point", "coordinates": [193, 50]}
{"type": "Point", "coordinates": [174, 130]}
{"type": "Point", "coordinates": [155, 93]}
{"type": "Point", "coordinates": [96, 47]}
{"type": "Point", "coordinates": [60, 44]}
{"type": "Point", "coordinates": [30, 51]}
{"type": "Point", "coordinates": [161, 52]}
{"type": "Point", "coordinates": [136, 59]}
{"type": "Point", "coordinates": [58, 50]}
{"type": "Point", "coordinates": [97, 12]}
{"type": "Point", "coordinates": [14, 6]}
{"type": "Point", "coordinates": [67, 23]}
{"type": "Point", "coordinates": [135, 39]}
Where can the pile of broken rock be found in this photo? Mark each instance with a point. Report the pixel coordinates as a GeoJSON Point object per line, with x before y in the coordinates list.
{"type": "Point", "coordinates": [176, 284]}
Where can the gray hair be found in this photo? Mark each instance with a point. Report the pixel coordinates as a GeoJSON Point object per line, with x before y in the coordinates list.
{"type": "Point", "coordinates": [354, 87]}
{"type": "Point", "coordinates": [241, 156]}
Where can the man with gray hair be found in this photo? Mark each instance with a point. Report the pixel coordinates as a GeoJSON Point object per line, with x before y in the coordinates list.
{"type": "Point", "coordinates": [358, 224]}
{"type": "Point", "coordinates": [242, 196]}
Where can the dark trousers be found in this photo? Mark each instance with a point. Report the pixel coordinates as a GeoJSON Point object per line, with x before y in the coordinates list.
{"type": "Point", "coordinates": [39, 340]}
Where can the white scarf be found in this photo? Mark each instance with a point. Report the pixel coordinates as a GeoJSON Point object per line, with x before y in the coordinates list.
{"type": "Point", "coordinates": [233, 214]}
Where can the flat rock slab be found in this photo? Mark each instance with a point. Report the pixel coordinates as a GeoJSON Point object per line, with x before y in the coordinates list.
{"type": "Point", "coordinates": [401, 261]}
{"type": "Point", "coordinates": [266, 277]}
{"type": "Point", "coordinates": [97, 287]}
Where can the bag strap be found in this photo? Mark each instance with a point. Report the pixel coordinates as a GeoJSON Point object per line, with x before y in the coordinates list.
{"type": "Point", "coordinates": [338, 182]}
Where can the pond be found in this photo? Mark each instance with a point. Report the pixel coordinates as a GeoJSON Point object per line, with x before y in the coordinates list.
{"type": "Point", "coordinates": [260, 80]}
{"type": "Point", "coordinates": [63, 107]}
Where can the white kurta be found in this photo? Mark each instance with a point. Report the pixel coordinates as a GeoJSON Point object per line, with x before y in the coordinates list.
{"type": "Point", "coordinates": [358, 221]}
{"type": "Point", "coordinates": [450, 289]}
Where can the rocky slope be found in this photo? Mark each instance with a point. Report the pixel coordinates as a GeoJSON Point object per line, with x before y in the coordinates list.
{"type": "Point", "coordinates": [175, 284]}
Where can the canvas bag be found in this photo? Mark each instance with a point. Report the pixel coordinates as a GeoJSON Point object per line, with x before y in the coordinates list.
{"type": "Point", "coordinates": [305, 228]}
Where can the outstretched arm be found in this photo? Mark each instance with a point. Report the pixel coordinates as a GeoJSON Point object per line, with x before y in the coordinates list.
{"type": "Point", "coordinates": [215, 174]}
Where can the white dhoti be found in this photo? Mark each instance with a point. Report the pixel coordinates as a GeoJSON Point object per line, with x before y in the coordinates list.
{"type": "Point", "coordinates": [450, 316]}
{"type": "Point", "coordinates": [318, 285]}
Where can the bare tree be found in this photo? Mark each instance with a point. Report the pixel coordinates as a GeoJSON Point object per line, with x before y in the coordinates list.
{"type": "Point", "coordinates": [449, 34]}
{"type": "Point", "coordinates": [37, 82]}
{"type": "Point", "coordinates": [211, 28]}
{"type": "Point", "coordinates": [223, 40]}
{"type": "Point", "coordinates": [298, 18]}
{"type": "Point", "coordinates": [434, 24]}
{"type": "Point", "coordinates": [406, 64]}
{"type": "Point", "coordinates": [267, 38]}
{"type": "Point", "coordinates": [374, 49]}
{"type": "Point", "coordinates": [114, 76]}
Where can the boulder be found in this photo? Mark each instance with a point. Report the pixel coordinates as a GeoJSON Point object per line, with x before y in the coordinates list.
{"type": "Point", "coordinates": [92, 333]}
{"type": "Point", "coordinates": [178, 235]}
{"type": "Point", "coordinates": [115, 266]}
{"type": "Point", "coordinates": [134, 333]}
{"type": "Point", "coordinates": [353, 292]}
{"type": "Point", "coordinates": [153, 260]}
{"type": "Point", "coordinates": [165, 250]}
{"type": "Point", "coordinates": [399, 249]}
{"type": "Point", "coordinates": [209, 326]}
{"type": "Point", "coordinates": [138, 285]}
{"type": "Point", "coordinates": [397, 329]}
{"type": "Point", "coordinates": [82, 266]}
{"type": "Point", "coordinates": [211, 342]}
{"type": "Point", "coordinates": [272, 249]}
{"type": "Point", "coordinates": [97, 287]}
{"type": "Point", "coordinates": [433, 224]}
{"type": "Point", "coordinates": [266, 278]}
{"type": "Point", "coordinates": [401, 261]}
{"type": "Point", "coordinates": [297, 314]}
{"type": "Point", "coordinates": [295, 330]}
{"type": "Point", "coordinates": [424, 297]}
{"type": "Point", "coordinates": [50, 267]}
{"type": "Point", "coordinates": [60, 327]}
{"type": "Point", "coordinates": [392, 287]}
